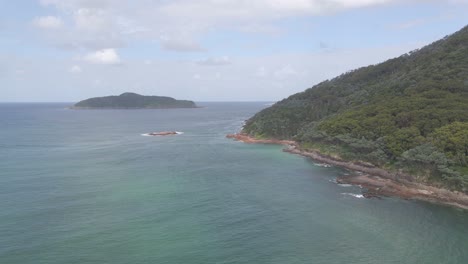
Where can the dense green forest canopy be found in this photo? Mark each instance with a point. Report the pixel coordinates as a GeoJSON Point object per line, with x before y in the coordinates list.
{"type": "Point", "coordinates": [133, 100]}
{"type": "Point", "coordinates": [408, 113]}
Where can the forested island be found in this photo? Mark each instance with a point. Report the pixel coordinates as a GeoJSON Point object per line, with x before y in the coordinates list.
{"type": "Point", "coordinates": [407, 116]}
{"type": "Point", "coordinates": [133, 101]}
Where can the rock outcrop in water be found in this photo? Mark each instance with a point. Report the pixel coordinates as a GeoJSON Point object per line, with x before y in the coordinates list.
{"type": "Point", "coordinates": [163, 133]}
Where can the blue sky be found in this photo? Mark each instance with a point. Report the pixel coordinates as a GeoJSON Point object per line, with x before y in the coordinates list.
{"type": "Point", "coordinates": [205, 50]}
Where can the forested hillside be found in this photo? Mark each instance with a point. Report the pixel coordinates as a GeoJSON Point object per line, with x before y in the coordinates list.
{"type": "Point", "coordinates": [133, 100]}
{"type": "Point", "coordinates": [409, 113]}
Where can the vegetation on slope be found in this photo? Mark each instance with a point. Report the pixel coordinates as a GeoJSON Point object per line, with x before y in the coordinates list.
{"type": "Point", "coordinates": [409, 113]}
{"type": "Point", "coordinates": [133, 100]}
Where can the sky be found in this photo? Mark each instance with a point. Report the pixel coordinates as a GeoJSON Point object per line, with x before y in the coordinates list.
{"type": "Point", "coordinates": [204, 50]}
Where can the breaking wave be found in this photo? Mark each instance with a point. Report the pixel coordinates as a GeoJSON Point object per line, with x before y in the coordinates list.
{"type": "Point", "coordinates": [354, 195]}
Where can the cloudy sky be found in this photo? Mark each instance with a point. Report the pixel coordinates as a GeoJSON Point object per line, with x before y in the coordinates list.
{"type": "Point", "coordinates": [204, 50]}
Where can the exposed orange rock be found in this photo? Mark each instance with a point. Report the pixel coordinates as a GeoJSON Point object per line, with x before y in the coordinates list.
{"type": "Point", "coordinates": [163, 133]}
{"type": "Point", "coordinates": [250, 140]}
{"type": "Point", "coordinates": [377, 186]}
{"type": "Point", "coordinates": [377, 181]}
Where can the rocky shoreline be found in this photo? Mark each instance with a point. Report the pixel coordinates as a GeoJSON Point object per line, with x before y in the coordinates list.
{"type": "Point", "coordinates": [376, 181]}
{"type": "Point", "coordinates": [250, 140]}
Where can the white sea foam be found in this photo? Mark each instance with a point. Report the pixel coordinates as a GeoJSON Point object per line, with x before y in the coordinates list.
{"type": "Point", "coordinates": [179, 133]}
{"type": "Point", "coordinates": [322, 165]}
{"type": "Point", "coordinates": [354, 195]}
{"type": "Point", "coordinates": [340, 184]}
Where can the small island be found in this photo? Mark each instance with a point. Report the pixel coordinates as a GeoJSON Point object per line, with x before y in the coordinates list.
{"type": "Point", "coordinates": [133, 101]}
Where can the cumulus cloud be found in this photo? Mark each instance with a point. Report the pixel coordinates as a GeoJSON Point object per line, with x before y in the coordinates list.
{"type": "Point", "coordinates": [95, 31]}
{"type": "Point", "coordinates": [48, 22]}
{"type": "Point", "coordinates": [175, 78]}
{"type": "Point", "coordinates": [181, 45]}
{"type": "Point", "coordinates": [104, 56]}
{"type": "Point", "coordinates": [259, 9]}
{"type": "Point", "coordinates": [220, 61]}
{"type": "Point", "coordinates": [92, 19]}
{"type": "Point", "coordinates": [100, 23]}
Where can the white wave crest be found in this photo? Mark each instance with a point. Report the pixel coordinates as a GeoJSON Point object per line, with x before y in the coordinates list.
{"type": "Point", "coordinates": [323, 165]}
{"type": "Point", "coordinates": [354, 195]}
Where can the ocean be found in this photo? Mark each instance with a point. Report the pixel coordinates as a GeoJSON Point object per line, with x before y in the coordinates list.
{"type": "Point", "coordinates": [85, 186]}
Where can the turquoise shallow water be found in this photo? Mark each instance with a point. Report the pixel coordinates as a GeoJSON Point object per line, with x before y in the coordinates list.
{"type": "Point", "coordinates": [86, 187]}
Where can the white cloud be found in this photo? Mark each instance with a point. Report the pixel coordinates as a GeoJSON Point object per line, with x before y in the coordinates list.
{"type": "Point", "coordinates": [67, 4]}
{"type": "Point", "coordinates": [92, 20]}
{"type": "Point", "coordinates": [48, 22]}
{"type": "Point", "coordinates": [75, 69]}
{"type": "Point", "coordinates": [220, 61]}
{"type": "Point", "coordinates": [261, 72]}
{"type": "Point", "coordinates": [104, 56]}
{"type": "Point", "coordinates": [176, 78]}
{"type": "Point", "coordinates": [217, 10]}
{"type": "Point", "coordinates": [97, 30]}
{"type": "Point", "coordinates": [181, 45]}
{"type": "Point", "coordinates": [285, 72]}
{"type": "Point", "coordinates": [360, 3]}
{"type": "Point", "coordinates": [177, 25]}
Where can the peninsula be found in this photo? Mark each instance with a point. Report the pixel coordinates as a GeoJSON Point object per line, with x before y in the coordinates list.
{"type": "Point", "coordinates": [403, 122]}
{"type": "Point", "coordinates": [133, 101]}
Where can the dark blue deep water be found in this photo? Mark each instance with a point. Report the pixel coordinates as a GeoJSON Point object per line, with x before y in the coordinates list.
{"type": "Point", "coordinates": [84, 186]}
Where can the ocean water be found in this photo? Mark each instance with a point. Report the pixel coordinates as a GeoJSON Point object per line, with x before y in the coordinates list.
{"type": "Point", "coordinates": [84, 186]}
